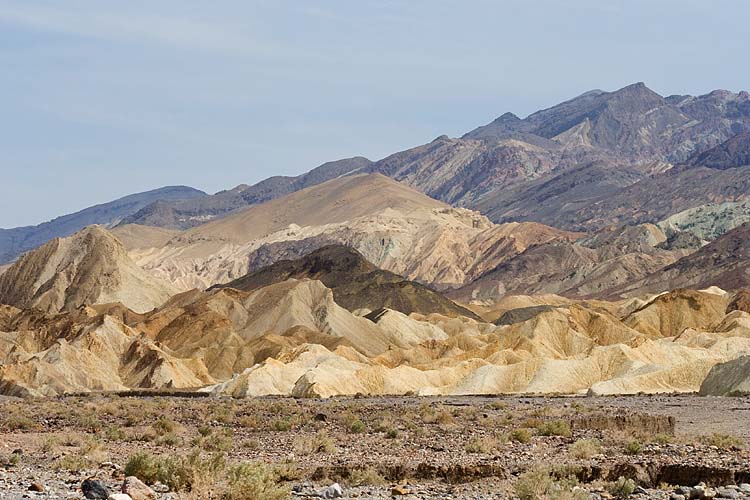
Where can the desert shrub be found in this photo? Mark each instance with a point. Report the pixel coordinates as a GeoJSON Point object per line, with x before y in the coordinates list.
{"type": "Point", "coordinates": [585, 448]}
{"type": "Point", "coordinates": [622, 488]}
{"type": "Point", "coordinates": [254, 481]}
{"type": "Point", "coordinates": [190, 473]}
{"type": "Point", "coordinates": [283, 425]}
{"type": "Point", "coordinates": [633, 447]}
{"type": "Point", "coordinates": [391, 433]}
{"type": "Point", "coordinates": [438, 415]}
{"type": "Point", "coordinates": [90, 423]}
{"type": "Point", "coordinates": [11, 460]}
{"type": "Point", "coordinates": [357, 427]}
{"type": "Point", "coordinates": [163, 425]}
{"type": "Point", "coordinates": [19, 423]}
{"type": "Point", "coordinates": [75, 462]}
{"type": "Point", "coordinates": [541, 484]}
{"type": "Point", "coordinates": [217, 441]}
{"type": "Point", "coordinates": [497, 405]}
{"type": "Point", "coordinates": [170, 439]}
{"type": "Point", "coordinates": [248, 422]}
{"type": "Point", "coordinates": [309, 445]}
{"type": "Point", "coordinates": [662, 439]}
{"type": "Point", "coordinates": [49, 445]}
{"type": "Point", "coordinates": [114, 434]}
{"type": "Point", "coordinates": [555, 428]}
{"type": "Point", "coordinates": [722, 441]}
{"type": "Point", "coordinates": [368, 476]}
{"type": "Point", "coordinates": [224, 414]}
{"type": "Point", "coordinates": [521, 435]}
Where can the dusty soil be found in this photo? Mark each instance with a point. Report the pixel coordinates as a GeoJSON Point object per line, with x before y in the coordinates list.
{"type": "Point", "coordinates": [457, 447]}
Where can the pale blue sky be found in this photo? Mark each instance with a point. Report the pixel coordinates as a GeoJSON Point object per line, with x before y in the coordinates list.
{"type": "Point", "coordinates": [100, 98]}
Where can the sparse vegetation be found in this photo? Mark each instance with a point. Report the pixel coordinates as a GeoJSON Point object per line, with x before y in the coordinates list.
{"type": "Point", "coordinates": [633, 447]}
{"type": "Point", "coordinates": [541, 484]}
{"type": "Point", "coordinates": [309, 445]}
{"type": "Point", "coordinates": [722, 441]}
{"type": "Point", "coordinates": [622, 488]}
{"type": "Point", "coordinates": [555, 428]}
{"type": "Point", "coordinates": [585, 448]}
{"type": "Point", "coordinates": [368, 476]}
{"type": "Point", "coordinates": [522, 435]}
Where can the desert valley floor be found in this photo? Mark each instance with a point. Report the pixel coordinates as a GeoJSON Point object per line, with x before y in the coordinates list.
{"type": "Point", "coordinates": [408, 447]}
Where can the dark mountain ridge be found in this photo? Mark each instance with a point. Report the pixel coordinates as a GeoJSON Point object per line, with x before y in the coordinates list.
{"type": "Point", "coordinates": [15, 241]}
{"type": "Point", "coordinates": [356, 283]}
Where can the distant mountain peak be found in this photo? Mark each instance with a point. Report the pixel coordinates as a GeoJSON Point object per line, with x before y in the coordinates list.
{"type": "Point", "coordinates": [507, 118]}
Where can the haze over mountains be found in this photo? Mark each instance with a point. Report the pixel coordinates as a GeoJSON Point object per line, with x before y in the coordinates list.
{"type": "Point", "coordinates": [599, 245]}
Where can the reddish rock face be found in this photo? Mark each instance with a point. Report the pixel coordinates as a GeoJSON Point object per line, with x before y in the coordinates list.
{"type": "Point", "coordinates": [741, 301]}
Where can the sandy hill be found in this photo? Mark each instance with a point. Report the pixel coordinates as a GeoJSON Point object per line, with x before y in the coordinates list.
{"type": "Point", "coordinates": [333, 201]}
{"type": "Point", "coordinates": [390, 224]}
{"type": "Point", "coordinates": [184, 214]}
{"type": "Point", "coordinates": [356, 283]}
{"type": "Point", "coordinates": [89, 267]}
{"type": "Point", "coordinates": [292, 338]}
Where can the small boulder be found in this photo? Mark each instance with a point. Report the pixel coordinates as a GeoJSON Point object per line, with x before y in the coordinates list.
{"type": "Point", "coordinates": [119, 496]}
{"type": "Point", "coordinates": [94, 489]}
{"type": "Point", "coordinates": [333, 491]}
{"type": "Point", "coordinates": [399, 490]}
{"type": "Point", "coordinates": [38, 487]}
{"type": "Point", "coordinates": [137, 489]}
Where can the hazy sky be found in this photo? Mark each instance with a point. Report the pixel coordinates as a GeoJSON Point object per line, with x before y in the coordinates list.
{"type": "Point", "coordinates": [103, 98]}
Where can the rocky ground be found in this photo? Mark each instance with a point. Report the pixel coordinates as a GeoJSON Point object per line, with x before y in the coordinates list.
{"type": "Point", "coordinates": [669, 447]}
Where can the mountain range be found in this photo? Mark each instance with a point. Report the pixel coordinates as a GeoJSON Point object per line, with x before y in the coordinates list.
{"type": "Point", "coordinates": [600, 245]}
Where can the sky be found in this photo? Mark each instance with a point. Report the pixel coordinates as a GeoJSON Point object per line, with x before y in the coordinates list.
{"type": "Point", "coordinates": [100, 99]}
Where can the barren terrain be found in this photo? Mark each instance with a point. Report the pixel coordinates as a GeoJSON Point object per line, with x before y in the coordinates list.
{"type": "Point", "coordinates": [457, 447]}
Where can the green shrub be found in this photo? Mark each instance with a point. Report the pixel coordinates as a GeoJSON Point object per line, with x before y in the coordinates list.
{"type": "Point", "coordinates": [521, 435]}
{"type": "Point", "coordinates": [633, 447]}
{"type": "Point", "coordinates": [722, 441]}
{"type": "Point", "coordinates": [254, 481]}
{"type": "Point", "coordinates": [163, 425]}
{"type": "Point", "coordinates": [357, 427]}
{"type": "Point", "coordinates": [585, 448]}
{"type": "Point", "coordinates": [541, 484]}
{"type": "Point", "coordinates": [368, 476]}
{"type": "Point", "coordinates": [555, 428]}
{"type": "Point", "coordinates": [283, 425]}
{"type": "Point", "coordinates": [622, 488]}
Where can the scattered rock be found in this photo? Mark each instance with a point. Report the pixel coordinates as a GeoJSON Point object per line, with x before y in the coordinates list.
{"type": "Point", "coordinates": [119, 496]}
{"type": "Point", "coordinates": [137, 489]}
{"type": "Point", "coordinates": [333, 491]}
{"type": "Point", "coordinates": [94, 489]}
{"type": "Point", "coordinates": [399, 490]}
{"type": "Point", "coordinates": [36, 487]}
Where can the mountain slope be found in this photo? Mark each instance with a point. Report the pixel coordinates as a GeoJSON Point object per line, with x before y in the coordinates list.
{"type": "Point", "coordinates": [15, 241]}
{"type": "Point", "coordinates": [356, 283]}
{"type": "Point", "coordinates": [563, 154]}
{"type": "Point", "coordinates": [735, 152]}
{"type": "Point", "coordinates": [656, 198]}
{"type": "Point", "coordinates": [393, 226]}
{"type": "Point", "coordinates": [190, 213]}
{"type": "Point", "coordinates": [89, 267]}
{"type": "Point", "coordinates": [725, 262]}
{"type": "Point", "coordinates": [596, 266]}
